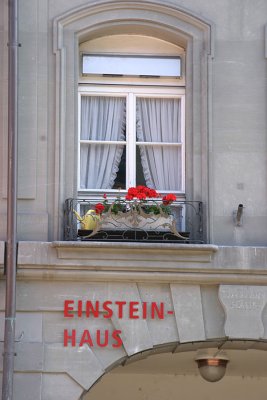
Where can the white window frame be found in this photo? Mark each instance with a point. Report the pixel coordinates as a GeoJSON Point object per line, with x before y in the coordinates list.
{"type": "Point", "coordinates": [131, 93]}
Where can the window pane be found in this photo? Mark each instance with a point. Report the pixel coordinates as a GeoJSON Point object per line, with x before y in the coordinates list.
{"type": "Point", "coordinates": [162, 167]}
{"type": "Point", "coordinates": [99, 165]}
{"type": "Point", "coordinates": [120, 181]}
{"type": "Point", "coordinates": [140, 179]}
{"type": "Point", "coordinates": [158, 120]}
{"type": "Point", "coordinates": [103, 118]}
{"type": "Point", "coordinates": [131, 65]}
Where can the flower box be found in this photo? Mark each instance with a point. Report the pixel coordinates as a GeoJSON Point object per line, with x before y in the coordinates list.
{"type": "Point", "coordinates": [126, 221]}
{"type": "Point", "coordinates": [140, 210]}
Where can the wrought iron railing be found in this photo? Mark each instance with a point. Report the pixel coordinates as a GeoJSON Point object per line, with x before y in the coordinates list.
{"type": "Point", "coordinates": [121, 220]}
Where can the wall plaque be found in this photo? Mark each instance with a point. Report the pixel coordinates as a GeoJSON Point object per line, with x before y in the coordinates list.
{"type": "Point", "coordinates": [243, 307]}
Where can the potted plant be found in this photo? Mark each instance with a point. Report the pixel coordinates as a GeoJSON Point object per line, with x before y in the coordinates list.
{"type": "Point", "coordinates": [142, 208]}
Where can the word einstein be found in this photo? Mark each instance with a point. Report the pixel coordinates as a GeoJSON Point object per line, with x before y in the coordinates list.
{"type": "Point", "coordinates": [107, 309]}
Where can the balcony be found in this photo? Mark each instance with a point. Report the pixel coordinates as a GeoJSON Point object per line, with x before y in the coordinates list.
{"type": "Point", "coordinates": [133, 221]}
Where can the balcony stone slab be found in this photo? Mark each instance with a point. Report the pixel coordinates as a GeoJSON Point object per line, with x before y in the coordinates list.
{"type": "Point", "coordinates": [127, 262]}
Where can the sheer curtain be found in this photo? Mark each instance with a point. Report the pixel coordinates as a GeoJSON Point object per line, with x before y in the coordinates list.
{"type": "Point", "coordinates": [158, 120]}
{"type": "Point", "coordinates": [102, 118]}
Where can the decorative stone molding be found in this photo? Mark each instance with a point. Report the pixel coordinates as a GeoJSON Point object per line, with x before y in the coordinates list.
{"type": "Point", "coordinates": [160, 19]}
{"type": "Point", "coordinates": [165, 253]}
{"type": "Point", "coordinates": [142, 262]}
{"type": "Point", "coordinates": [160, 7]}
{"type": "Point", "coordinates": [243, 307]}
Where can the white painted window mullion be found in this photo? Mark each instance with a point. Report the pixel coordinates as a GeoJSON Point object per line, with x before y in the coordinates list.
{"type": "Point", "coordinates": [183, 140]}
{"type": "Point", "coordinates": [79, 143]}
{"type": "Point", "coordinates": [131, 141]}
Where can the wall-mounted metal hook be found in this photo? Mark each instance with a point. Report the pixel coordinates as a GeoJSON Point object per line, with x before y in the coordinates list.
{"type": "Point", "coordinates": [238, 215]}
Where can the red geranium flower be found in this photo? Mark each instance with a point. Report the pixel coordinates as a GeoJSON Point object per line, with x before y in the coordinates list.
{"type": "Point", "coordinates": [141, 192]}
{"type": "Point", "coordinates": [141, 196]}
{"type": "Point", "coordinates": [168, 199]}
{"type": "Point", "coordinates": [99, 208]}
{"type": "Point", "coordinates": [141, 188]}
{"type": "Point", "coordinates": [152, 193]}
{"type": "Point", "coordinates": [132, 191]}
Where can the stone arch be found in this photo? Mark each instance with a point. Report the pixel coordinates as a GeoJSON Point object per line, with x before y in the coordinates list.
{"type": "Point", "coordinates": [159, 19]}
{"type": "Point", "coordinates": [209, 308]}
{"type": "Point", "coordinates": [192, 325]}
{"type": "Point", "coordinates": [199, 321]}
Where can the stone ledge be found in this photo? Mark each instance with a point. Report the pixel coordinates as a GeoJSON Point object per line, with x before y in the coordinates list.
{"type": "Point", "coordinates": [142, 262]}
{"type": "Point", "coordinates": [209, 277]}
{"type": "Point", "coordinates": [162, 252]}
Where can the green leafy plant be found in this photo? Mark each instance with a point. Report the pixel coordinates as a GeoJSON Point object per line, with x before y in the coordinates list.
{"type": "Point", "coordinates": [139, 198]}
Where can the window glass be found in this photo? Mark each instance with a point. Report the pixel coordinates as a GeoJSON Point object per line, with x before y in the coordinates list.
{"type": "Point", "coordinates": [128, 140]}
{"type": "Point", "coordinates": [158, 120]}
{"type": "Point", "coordinates": [140, 178]}
{"type": "Point", "coordinates": [120, 180]}
{"type": "Point", "coordinates": [103, 118]}
{"type": "Point", "coordinates": [99, 165]}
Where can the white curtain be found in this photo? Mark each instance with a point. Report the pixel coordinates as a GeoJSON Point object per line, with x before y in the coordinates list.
{"type": "Point", "coordinates": [158, 120]}
{"type": "Point", "coordinates": [102, 118]}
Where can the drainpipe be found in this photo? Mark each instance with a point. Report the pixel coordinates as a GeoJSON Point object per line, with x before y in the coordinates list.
{"type": "Point", "coordinates": [11, 248]}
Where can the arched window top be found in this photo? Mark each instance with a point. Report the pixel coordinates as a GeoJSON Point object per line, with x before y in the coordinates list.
{"type": "Point", "coordinates": [159, 19]}
{"type": "Point", "coordinates": [153, 58]}
{"type": "Point", "coordinates": [131, 44]}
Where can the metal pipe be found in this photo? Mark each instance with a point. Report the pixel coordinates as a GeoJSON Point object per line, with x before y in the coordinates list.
{"type": "Point", "coordinates": [11, 248]}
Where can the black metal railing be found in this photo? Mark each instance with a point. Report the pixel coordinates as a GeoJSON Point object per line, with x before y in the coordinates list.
{"type": "Point", "coordinates": [149, 220]}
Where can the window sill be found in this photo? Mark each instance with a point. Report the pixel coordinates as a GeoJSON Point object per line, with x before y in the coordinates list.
{"type": "Point", "coordinates": [158, 256]}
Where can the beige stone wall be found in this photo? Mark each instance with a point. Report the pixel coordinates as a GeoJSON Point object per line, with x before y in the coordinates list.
{"type": "Point", "coordinates": [233, 146]}
{"type": "Point", "coordinates": [216, 293]}
{"type": "Point", "coordinates": [217, 296]}
{"type": "Point", "coordinates": [137, 386]}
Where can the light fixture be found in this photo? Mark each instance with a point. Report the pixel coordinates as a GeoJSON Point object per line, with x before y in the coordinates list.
{"type": "Point", "coordinates": [212, 365]}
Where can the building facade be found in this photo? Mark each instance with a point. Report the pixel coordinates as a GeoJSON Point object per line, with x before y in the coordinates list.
{"type": "Point", "coordinates": [199, 133]}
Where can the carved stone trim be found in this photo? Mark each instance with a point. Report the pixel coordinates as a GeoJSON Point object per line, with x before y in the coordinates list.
{"type": "Point", "coordinates": [243, 307]}
{"type": "Point", "coordinates": [161, 19]}
{"type": "Point", "coordinates": [164, 253]}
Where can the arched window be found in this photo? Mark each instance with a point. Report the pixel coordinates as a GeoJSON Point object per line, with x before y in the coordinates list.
{"type": "Point", "coordinates": [131, 115]}
{"type": "Point", "coordinates": [157, 25]}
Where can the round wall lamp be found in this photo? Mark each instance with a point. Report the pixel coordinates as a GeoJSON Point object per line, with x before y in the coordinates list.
{"type": "Point", "coordinates": [212, 365]}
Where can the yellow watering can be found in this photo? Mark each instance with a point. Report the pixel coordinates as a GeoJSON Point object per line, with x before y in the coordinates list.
{"type": "Point", "coordinates": [89, 220]}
